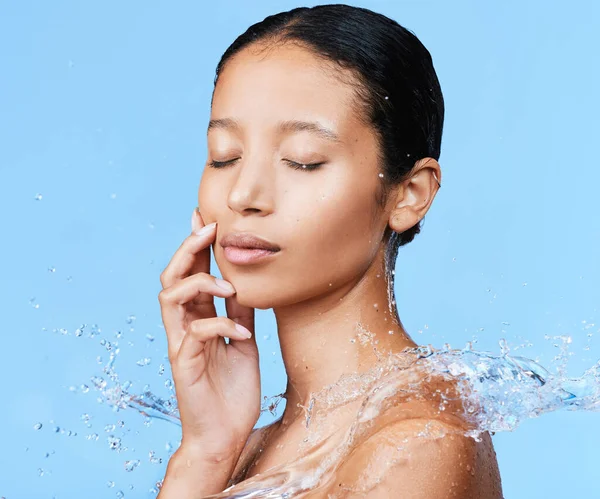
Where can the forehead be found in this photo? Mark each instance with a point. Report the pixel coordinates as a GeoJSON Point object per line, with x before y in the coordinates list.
{"type": "Point", "coordinates": [282, 83]}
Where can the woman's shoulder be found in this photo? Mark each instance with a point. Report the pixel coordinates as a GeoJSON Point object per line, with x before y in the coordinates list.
{"type": "Point", "coordinates": [423, 458]}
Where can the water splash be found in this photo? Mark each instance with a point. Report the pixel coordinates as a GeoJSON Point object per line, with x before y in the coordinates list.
{"type": "Point", "coordinates": [478, 391]}
{"type": "Point", "coordinates": [489, 393]}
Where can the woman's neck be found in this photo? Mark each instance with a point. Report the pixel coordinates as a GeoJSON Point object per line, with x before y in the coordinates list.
{"type": "Point", "coordinates": [345, 331]}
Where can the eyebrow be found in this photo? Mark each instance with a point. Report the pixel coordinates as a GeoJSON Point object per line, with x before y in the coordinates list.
{"type": "Point", "coordinates": [283, 126]}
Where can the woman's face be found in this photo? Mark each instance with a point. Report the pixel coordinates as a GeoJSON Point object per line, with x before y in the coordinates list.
{"type": "Point", "coordinates": [326, 221]}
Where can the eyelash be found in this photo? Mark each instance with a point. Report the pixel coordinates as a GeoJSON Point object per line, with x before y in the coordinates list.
{"type": "Point", "coordinates": [293, 164]}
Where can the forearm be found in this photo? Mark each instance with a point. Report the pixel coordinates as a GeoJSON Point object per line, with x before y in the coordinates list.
{"type": "Point", "coordinates": [191, 475]}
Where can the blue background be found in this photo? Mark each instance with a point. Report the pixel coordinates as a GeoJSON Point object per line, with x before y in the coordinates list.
{"type": "Point", "coordinates": [103, 113]}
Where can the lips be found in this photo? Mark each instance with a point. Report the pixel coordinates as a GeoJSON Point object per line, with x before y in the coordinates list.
{"type": "Point", "coordinates": [246, 240]}
{"type": "Point", "coordinates": [244, 248]}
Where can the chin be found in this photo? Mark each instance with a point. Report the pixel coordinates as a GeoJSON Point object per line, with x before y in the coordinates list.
{"type": "Point", "coordinates": [253, 299]}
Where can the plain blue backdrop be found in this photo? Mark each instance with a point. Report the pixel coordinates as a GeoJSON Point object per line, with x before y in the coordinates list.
{"type": "Point", "coordinates": [103, 115]}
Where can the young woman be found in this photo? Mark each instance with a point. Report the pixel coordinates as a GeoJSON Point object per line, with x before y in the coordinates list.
{"type": "Point", "coordinates": [323, 141]}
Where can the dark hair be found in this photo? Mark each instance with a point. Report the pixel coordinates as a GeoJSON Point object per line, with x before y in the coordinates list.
{"type": "Point", "coordinates": [397, 85]}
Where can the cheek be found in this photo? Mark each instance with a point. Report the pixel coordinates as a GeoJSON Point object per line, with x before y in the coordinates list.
{"type": "Point", "coordinates": [344, 228]}
{"type": "Point", "coordinates": [207, 199]}
{"type": "Point", "coordinates": [333, 235]}
{"type": "Point", "coordinates": [342, 212]}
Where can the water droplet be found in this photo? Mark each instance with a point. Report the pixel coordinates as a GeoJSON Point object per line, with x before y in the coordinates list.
{"type": "Point", "coordinates": [38, 197]}
{"type": "Point", "coordinates": [37, 426]}
{"type": "Point", "coordinates": [144, 362]}
{"type": "Point", "coordinates": [114, 443]}
{"type": "Point", "coordinates": [153, 458]}
{"type": "Point", "coordinates": [131, 464]}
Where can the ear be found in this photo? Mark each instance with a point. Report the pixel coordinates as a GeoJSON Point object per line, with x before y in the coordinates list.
{"type": "Point", "coordinates": [415, 195]}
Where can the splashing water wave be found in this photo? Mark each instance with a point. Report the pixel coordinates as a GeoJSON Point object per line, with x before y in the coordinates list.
{"type": "Point", "coordinates": [476, 391]}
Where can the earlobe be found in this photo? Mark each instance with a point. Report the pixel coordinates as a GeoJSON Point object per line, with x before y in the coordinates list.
{"type": "Point", "coordinates": [402, 219]}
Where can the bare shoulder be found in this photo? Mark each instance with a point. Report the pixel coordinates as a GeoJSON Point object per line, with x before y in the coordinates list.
{"type": "Point", "coordinates": [420, 459]}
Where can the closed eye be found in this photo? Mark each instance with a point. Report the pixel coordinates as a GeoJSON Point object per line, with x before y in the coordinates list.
{"type": "Point", "coordinates": [293, 164]}
{"type": "Point", "coordinates": [303, 166]}
{"type": "Point", "coordinates": [221, 164]}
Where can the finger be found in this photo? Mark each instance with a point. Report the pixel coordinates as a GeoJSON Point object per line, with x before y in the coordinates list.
{"type": "Point", "coordinates": [194, 253]}
{"type": "Point", "coordinates": [198, 289]}
{"type": "Point", "coordinates": [202, 261]}
{"type": "Point", "coordinates": [202, 330]}
{"type": "Point", "coordinates": [241, 315]}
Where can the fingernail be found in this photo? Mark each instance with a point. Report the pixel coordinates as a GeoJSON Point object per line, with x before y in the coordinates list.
{"type": "Point", "coordinates": [243, 330]}
{"type": "Point", "coordinates": [195, 219]}
{"type": "Point", "coordinates": [224, 284]}
{"type": "Point", "coordinates": [206, 229]}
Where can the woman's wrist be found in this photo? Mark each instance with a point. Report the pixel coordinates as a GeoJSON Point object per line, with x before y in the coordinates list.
{"type": "Point", "coordinates": [193, 474]}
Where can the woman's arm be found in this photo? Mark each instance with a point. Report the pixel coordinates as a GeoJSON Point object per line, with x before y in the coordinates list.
{"type": "Point", "coordinates": [191, 474]}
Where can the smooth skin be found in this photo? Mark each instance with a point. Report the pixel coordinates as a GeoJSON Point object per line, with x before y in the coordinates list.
{"type": "Point", "coordinates": [327, 279]}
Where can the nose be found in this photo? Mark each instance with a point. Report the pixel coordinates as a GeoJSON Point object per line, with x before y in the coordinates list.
{"type": "Point", "coordinates": [251, 190]}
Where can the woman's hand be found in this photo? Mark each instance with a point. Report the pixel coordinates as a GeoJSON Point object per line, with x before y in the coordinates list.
{"type": "Point", "coordinates": [217, 384]}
